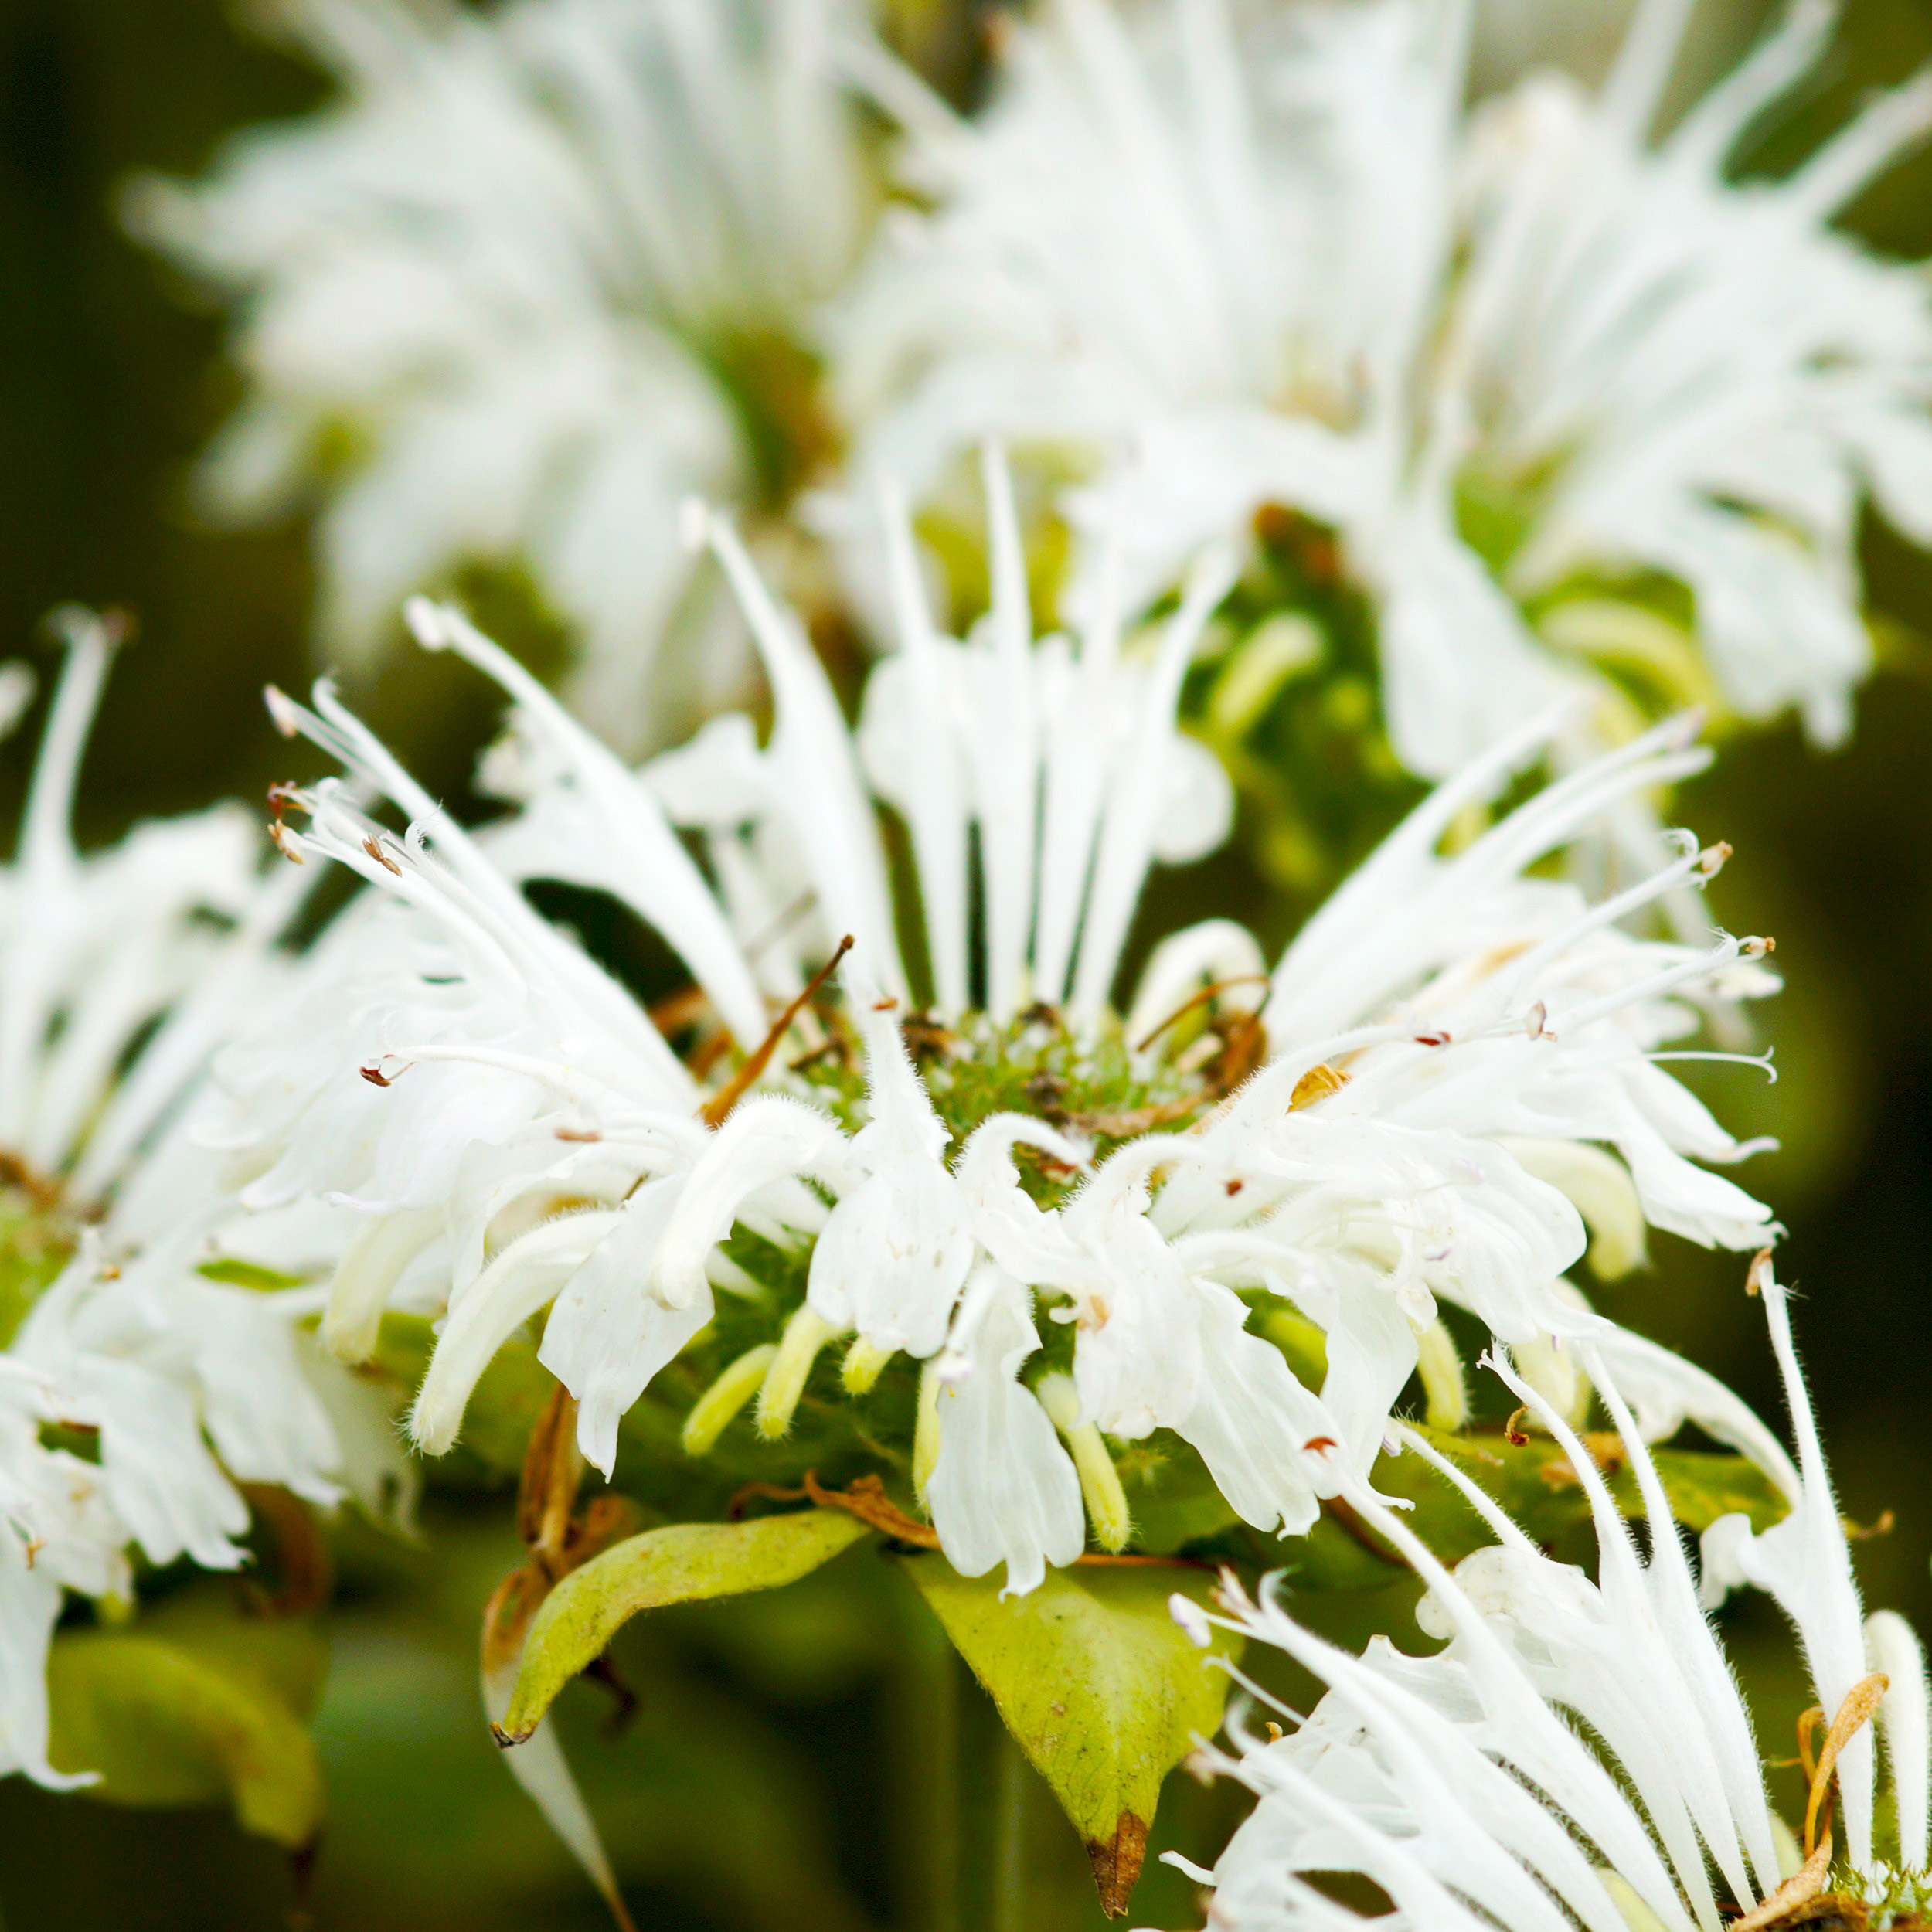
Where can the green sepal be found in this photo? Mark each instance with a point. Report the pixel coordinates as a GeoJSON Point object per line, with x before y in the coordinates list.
{"type": "Point", "coordinates": [683, 1563]}
{"type": "Point", "coordinates": [195, 1706]}
{"type": "Point", "coordinates": [1101, 1689]}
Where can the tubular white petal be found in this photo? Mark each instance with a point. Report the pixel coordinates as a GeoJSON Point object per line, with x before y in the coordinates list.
{"type": "Point", "coordinates": [528, 1274]}
{"type": "Point", "coordinates": [1892, 1646]}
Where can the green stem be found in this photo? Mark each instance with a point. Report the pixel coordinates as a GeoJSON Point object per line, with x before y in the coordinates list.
{"type": "Point", "coordinates": [1009, 1838]}
{"type": "Point", "coordinates": [936, 1763]}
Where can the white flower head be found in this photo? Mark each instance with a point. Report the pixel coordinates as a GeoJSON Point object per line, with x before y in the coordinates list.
{"type": "Point", "coordinates": [121, 971]}
{"type": "Point", "coordinates": [1530, 360]}
{"type": "Point", "coordinates": [542, 270]}
{"type": "Point", "coordinates": [970, 1161]}
{"type": "Point", "coordinates": [1579, 1753]}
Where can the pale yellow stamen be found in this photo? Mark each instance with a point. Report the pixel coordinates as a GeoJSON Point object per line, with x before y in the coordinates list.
{"type": "Point", "coordinates": [805, 1334]}
{"type": "Point", "coordinates": [1444, 1387]}
{"type": "Point", "coordinates": [925, 1431]}
{"type": "Point", "coordinates": [864, 1365]}
{"type": "Point", "coordinates": [712, 1413]}
{"type": "Point", "coordinates": [1107, 1508]}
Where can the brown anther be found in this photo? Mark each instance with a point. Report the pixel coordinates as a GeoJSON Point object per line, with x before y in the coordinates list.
{"type": "Point", "coordinates": [714, 1110]}
{"type": "Point", "coordinates": [1319, 1445]}
{"type": "Point", "coordinates": [1710, 861]}
{"type": "Point", "coordinates": [1864, 1533]}
{"type": "Point", "coordinates": [278, 837]}
{"type": "Point", "coordinates": [1188, 1005]}
{"type": "Point", "coordinates": [880, 1006]}
{"type": "Point", "coordinates": [585, 1133]}
{"type": "Point", "coordinates": [373, 847]}
{"type": "Point", "coordinates": [1432, 1039]}
{"type": "Point", "coordinates": [375, 1076]}
{"type": "Point", "coordinates": [1513, 1431]}
{"type": "Point", "coordinates": [284, 796]}
{"type": "Point", "coordinates": [1234, 1187]}
{"type": "Point", "coordinates": [1276, 1733]}
{"type": "Point", "coordinates": [1759, 1273]}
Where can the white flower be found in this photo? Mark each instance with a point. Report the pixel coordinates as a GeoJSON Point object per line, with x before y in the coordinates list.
{"type": "Point", "coordinates": [523, 1137]}
{"type": "Point", "coordinates": [1523, 357]}
{"type": "Point", "coordinates": [121, 971]}
{"type": "Point", "coordinates": [1462, 1782]}
{"type": "Point", "coordinates": [542, 271]}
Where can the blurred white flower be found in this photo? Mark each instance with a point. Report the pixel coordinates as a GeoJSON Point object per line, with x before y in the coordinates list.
{"type": "Point", "coordinates": [120, 973]}
{"type": "Point", "coordinates": [1563, 386]}
{"type": "Point", "coordinates": [1579, 1753]}
{"type": "Point", "coordinates": [542, 271]}
{"type": "Point", "coordinates": [1448, 1048]}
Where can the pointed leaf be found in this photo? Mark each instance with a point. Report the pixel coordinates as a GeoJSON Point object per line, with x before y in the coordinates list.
{"type": "Point", "coordinates": [686, 1563]}
{"type": "Point", "coordinates": [1101, 1689]}
{"type": "Point", "coordinates": [185, 1715]}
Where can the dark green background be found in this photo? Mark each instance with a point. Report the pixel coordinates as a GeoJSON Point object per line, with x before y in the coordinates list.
{"type": "Point", "coordinates": [766, 1781]}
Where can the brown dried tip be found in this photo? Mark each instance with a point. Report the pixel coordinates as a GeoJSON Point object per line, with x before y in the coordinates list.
{"type": "Point", "coordinates": [1116, 1862]}
{"type": "Point", "coordinates": [1513, 1431]}
{"type": "Point", "coordinates": [1759, 1271]}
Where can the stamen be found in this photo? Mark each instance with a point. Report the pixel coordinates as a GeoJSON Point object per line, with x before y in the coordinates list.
{"type": "Point", "coordinates": [715, 1410]}
{"type": "Point", "coordinates": [805, 1334]}
{"type": "Point", "coordinates": [864, 1365]}
{"type": "Point", "coordinates": [925, 1429]}
{"type": "Point", "coordinates": [1445, 1387]}
{"type": "Point", "coordinates": [713, 1111]}
{"type": "Point", "coordinates": [1106, 1505]}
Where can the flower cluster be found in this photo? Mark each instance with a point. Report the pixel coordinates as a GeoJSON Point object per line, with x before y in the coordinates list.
{"type": "Point", "coordinates": [537, 276]}
{"type": "Point", "coordinates": [1458, 1783]}
{"type": "Point", "coordinates": [138, 1387]}
{"type": "Point", "coordinates": [1560, 386]}
{"type": "Point", "coordinates": [1409, 1108]}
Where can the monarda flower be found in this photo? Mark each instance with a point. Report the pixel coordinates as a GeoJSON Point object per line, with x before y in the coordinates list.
{"type": "Point", "coordinates": [121, 971]}
{"type": "Point", "coordinates": [539, 272]}
{"type": "Point", "coordinates": [1578, 1753]}
{"type": "Point", "coordinates": [1043, 1227]}
{"type": "Point", "coordinates": [1579, 404]}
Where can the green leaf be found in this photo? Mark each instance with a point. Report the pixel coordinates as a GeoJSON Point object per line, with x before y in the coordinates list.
{"type": "Point", "coordinates": [1101, 1689]}
{"type": "Point", "coordinates": [685, 1563]}
{"type": "Point", "coordinates": [194, 1709]}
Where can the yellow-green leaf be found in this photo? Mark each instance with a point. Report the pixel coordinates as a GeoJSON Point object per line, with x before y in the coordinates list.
{"type": "Point", "coordinates": [1101, 1689]}
{"type": "Point", "coordinates": [176, 1716]}
{"type": "Point", "coordinates": [684, 1564]}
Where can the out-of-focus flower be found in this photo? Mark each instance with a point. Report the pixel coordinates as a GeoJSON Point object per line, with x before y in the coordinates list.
{"type": "Point", "coordinates": [1579, 404]}
{"type": "Point", "coordinates": [539, 274]}
{"type": "Point", "coordinates": [1579, 1754]}
{"type": "Point", "coordinates": [1401, 1111]}
{"type": "Point", "coordinates": [120, 973]}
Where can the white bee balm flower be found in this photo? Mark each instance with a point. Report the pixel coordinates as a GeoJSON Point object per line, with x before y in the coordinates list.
{"type": "Point", "coordinates": [1530, 360]}
{"type": "Point", "coordinates": [120, 972]}
{"type": "Point", "coordinates": [1579, 1753]}
{"type": "Point", "coordinates": [970, 1161]}
{"type": "Point", "coordinates": [539, 272]}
